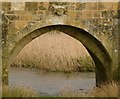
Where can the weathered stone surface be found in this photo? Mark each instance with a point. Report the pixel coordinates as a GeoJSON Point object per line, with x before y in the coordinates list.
{"type": "Point", "coordinates": [99, 19]}
{"type": "Point", "coordinates": [80, 6]}
{"type": "Point", "coordinates": [107, 5]}
{"type": "Point", "coordinates": [91, 6]}
{"type": "Point", "coordinates": [12, 28]}
{"type": "Point", "coordinates": [17, 6]}
{"type": "Point", "coordinates": [4, 50]}
{"type": "Point", "coordinates": [43, 5]}
{"type": "Point", "coordinates": [31, 6]}
{"type": "Point", "coordinates": [87, 14]}
{"type": "Point", "coordinates": [12, 17]}
{"type": "Point", "coordinates": [41, 12]}
{"type": "Point", "coordinates": [25, 17]}
{"type": "Point", "coordinates": [78, 15]}
{"type": "Point", "coordinates": [20, 24]}
{"type": "Point", "coordinates": [71, 6]}
{"type": "Point", "coordinates": [96, 14]}
{"type": "Point", "coordinates": [71, 13]}
{"type": "Point", "coordinates": [109, 14]}
{"type": "Point", "coordinates": [6, 6]}
{"type": "Point", "coordinates": [118, 14]}
{"type": "Point", "coordinates": [59, 3]}
{"type": "Point", "coordinates": [57, 9]}
{"type": "Point", "coordinates": [80, 23]}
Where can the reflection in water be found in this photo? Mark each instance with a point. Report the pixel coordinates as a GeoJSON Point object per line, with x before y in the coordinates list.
{"type": "Point", "coordinates": [51, 83]}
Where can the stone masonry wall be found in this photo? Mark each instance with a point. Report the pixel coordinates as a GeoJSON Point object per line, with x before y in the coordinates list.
{"type": "Point", "coordinates": [98, 18]}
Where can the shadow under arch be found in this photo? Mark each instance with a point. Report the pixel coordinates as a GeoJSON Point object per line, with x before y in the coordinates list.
{"type": "Point", "coordinates": [95, 48]}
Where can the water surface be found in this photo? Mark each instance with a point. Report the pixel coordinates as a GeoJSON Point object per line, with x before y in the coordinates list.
{"type": "Point", "coordinates": [51, 83]}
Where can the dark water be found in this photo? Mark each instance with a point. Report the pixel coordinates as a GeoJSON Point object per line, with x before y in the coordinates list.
{"type": "Point", "coordinates": [51, 83]}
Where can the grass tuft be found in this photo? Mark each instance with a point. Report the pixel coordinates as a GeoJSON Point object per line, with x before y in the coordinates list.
{"type": "Point", "coordinates": [105, 90]}
{"type": "Point", "coordinates": [17, 91]}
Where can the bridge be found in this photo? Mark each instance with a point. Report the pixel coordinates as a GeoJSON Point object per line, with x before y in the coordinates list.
{"type": "Point", "coordinates": [94, 24]}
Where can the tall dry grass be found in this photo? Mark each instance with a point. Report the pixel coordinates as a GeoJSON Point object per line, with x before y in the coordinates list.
{"type": "Point", "coordinates": [54, 51]}
{"type": "Point", "coordinates": [68, 92]}
{"type": "Point", "coordinates": [105, 90]}
{"type": "Point", "coordinates": [18, 91]}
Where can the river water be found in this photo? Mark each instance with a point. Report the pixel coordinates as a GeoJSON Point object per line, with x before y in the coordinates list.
{"type": "Point", "coordinates": [51, 83]}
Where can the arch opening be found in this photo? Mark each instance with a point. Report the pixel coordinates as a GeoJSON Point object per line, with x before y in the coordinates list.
{"type": "Point", "coordinates": [55, 51]}
{"type": "Point", "coordinates": [95, 48]}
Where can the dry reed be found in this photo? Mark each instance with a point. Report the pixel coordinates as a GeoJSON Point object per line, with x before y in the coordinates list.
{"type": "Point", "coordinates": [17, 91]}
{"type": "Point", "coordinates": [54, 51]}
{"type": "Point", "coordinates": [105, 90]}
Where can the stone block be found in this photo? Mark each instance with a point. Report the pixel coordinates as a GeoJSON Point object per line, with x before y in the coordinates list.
{"type": "Point", "coordinates": [119, 6]}
{"type": "Point", "coordinates": [43, 5]}
{"type": "Point", "coordinates": [57, 9]}
{"type": "Point", "coordinates": [12, 28]}
{"type": "Point", "coordinates": [41, 12]}
{"type": "Point", "coordinates": [26, 17]}
{"type": "Point", "coordinates": [17, 6]}
{"type": "Point", "coordinates": [10, 12]}
{"type": "Point", "coordinates": [6, 6]}
{"type": "Point", "coordinates": [91, 5]}
{"type": "Point", "coordinates": [31, 6]}
{"type": "Point", "coordinates": [80, 23]}
{"type": "Point", "coordinates": [71, 13]}
{"type": "Point", "coordinates": [109, 14]}
{"type": "Point", "coordinates": [17, 12]}
{"type": "Point", "coordinates": [96, 14]}
{"type": "Point", "coordinates": [87, 14]}
{"type": "Point", "coordinates": [12, 17]}
{"type": "Point", "coordinates": [80, 6]}
{"type": "Point", "coordinates": [20, 24]}
{"type": "Point", "coordinates": [118, 12]}
{"type": "Point", "coordinates": [71, 6]}
{"type": "Point", "coordinates": [78, 15]}
{"type": "Point", "coordinates": [70, 21]}
{"type": "Point", "coordinates": [107, 5]}
{"type": "Point", "coordinates": [38, 17]}
{"type": "Point", "coordinates": [59, 3]}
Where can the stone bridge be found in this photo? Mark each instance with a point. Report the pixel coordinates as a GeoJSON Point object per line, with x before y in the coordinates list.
{"type": "Point", "coordinates": [94, 24]}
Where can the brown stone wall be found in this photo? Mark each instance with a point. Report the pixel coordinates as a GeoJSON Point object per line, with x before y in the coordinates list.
{"type": "Point", "coordinates": [34, 7]}
{"type": "Point", "coordinates": [98, 18]}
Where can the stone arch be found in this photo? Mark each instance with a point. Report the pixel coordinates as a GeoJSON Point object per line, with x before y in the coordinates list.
{"type": "Point", "coordinates": [95, 48]}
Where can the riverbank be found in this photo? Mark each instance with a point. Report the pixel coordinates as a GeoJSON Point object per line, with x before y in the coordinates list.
{"type": "Point", "coordinates": [77, 65]}
{"type": "Point", "coordinates": [21, 87]}
{"type": "Point", "coordinates": [106, 90]}
{"type": "Point", "coordinates": [51, 83]}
